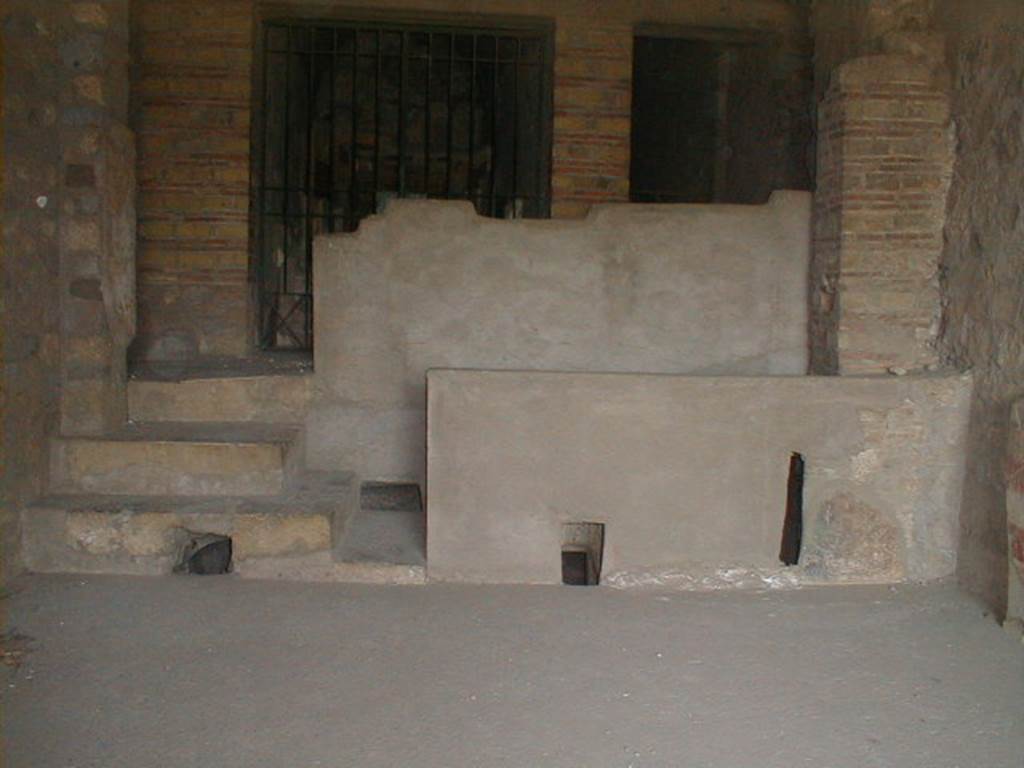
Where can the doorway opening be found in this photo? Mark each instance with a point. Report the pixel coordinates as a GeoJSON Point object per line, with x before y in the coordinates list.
{"type": "Point", "coordinates": [582, 552]}
{"type": "Point", "coordinates": [680, 95]}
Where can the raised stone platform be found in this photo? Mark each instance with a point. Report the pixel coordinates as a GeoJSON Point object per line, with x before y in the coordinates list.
{"type": "Point", "coordinates": [689, 475]}
{"type": "Point", "coordinates": [145, 534]}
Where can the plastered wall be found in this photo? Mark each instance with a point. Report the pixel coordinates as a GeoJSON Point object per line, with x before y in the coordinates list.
{"type": "Point", "coordinates": [689, 475]}
{"type": "Point", "coordinates": [666, 289]}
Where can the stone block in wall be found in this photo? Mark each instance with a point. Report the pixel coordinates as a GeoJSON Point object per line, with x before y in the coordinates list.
{"type": "Point", "coordinates": [116, 186]}
{"type": "Point", "coordinates": [191, 314]}
{"type": "Point", "coordinates": [885, 162]}
{"type": "Point", "coordinates": [97, 225]}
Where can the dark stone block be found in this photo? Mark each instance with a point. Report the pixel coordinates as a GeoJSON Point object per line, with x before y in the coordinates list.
{"type": "Point", "coordinates": [87, 115]}
{"type": "Point", "coordinates": [87, 288]}
{"type": "Point", "coordinates": [77, 175]}
{"type": "Point", "coordinates": [206, 555]}
{"type": "Point", "coordinates": [87, 203]}
{"type": "Point", "coordinates": [83, 52]}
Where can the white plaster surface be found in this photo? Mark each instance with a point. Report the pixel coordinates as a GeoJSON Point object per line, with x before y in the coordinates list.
{"type": "Point", "coordinates": [633, 288]}
{"type": "Point", "coordinates": [689, 475]}
{"type": "Point", "coordinates": [220, 671]}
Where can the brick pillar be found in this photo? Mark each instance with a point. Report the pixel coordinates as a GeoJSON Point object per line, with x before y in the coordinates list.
{"type": "Point", "coordinates": [192, 102]}
{"type": "Point", "coordinates": [885, 163]}
{"type": "Point", "coordinates": [593, 73]}
{"type": "Point", "coordinates": [97, 216]}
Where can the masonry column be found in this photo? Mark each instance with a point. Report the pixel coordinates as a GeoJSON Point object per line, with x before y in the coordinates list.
{"type": "Point", "coordinates": [593, 74]}
{"type": "Point", "coordinates": [97, 217]}
{"type": "Point", "coordinates": [885, 162]}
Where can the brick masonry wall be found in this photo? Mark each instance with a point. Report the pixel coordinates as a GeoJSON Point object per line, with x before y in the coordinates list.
{"type": "Point", "coordinates": [192, 111]}
{"type": "Point", "coordinates": [29, 334]}
{"type": "Point", "coordinates": [193, 101]}
{"type": "Point", "coordinates": [885, 165]}
{"type": "Point", "coordinates": [590, 141]}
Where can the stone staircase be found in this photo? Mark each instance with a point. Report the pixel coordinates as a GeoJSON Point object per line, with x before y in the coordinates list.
{"type": "Point", "coordinates": [215, 452]}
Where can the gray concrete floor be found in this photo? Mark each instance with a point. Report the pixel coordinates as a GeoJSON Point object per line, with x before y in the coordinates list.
{"type": "Point", "coordinates": [222, 672]}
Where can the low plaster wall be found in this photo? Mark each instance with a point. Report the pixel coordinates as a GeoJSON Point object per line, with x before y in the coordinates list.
{"type": "Point", "coordinates": [689, 475]}
{"type": "Point", "coordinates": [633, 288]}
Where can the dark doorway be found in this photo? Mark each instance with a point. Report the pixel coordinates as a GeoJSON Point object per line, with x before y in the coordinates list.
{"type": "Point", "coordinates": [582, 553]}
{"type": "Point", "coordinates": [356, 113]}
{"type": "Point", "coordinates": [679, 97]}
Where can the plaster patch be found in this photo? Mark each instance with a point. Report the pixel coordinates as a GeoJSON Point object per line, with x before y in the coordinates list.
{"type": "Point", "coordinates": [697, 578]}
{"type": "Point", "coordinates": [853, 541]}
{"type": "Point", "coordinates": [864, 463]}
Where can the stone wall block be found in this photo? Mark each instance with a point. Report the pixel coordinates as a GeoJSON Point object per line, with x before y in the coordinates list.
{"type": "Point", "coordinates": [97, 223]}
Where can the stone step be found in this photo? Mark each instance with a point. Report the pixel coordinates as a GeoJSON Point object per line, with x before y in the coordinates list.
{"type": "Point", "coordinates": [146, 534]}
{"type": "Point", "coordinates": [389, 527]}
{"type": "Point", "coordinates": [275, 399]}
{"type": "Point", "coordinates": [174, 459]}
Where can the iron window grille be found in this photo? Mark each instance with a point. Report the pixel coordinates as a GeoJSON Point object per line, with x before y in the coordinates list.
{"type": "Point", "coordinates": [355, 113]}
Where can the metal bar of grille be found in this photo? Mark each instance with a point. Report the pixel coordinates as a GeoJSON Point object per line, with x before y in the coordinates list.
{"type": "Point", "coordinates": [515, 125]}
{"type": "Point", "coordinates": [311, 190]}
{"type": "Point", "coordinates": [451, 114]}
{"type": "Point", "coordinates": [263, 265]}
{"type": "Point", "coordinates": [472, 124]}
{"type": "Point", "coordinates": [376, 117]}
{"type": "Point", "coordinates": [331, 139]}
{"type": "Point", "coordinates": [285, 240]}
{"type": "Point", "coordinates": [403, 111]}
{"type": "Point", "coordinates": [426, 119]}
{"type": "Point", "coordinates": [353, 179]}
{"type": "Point", "coordinates": [493, 205]}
